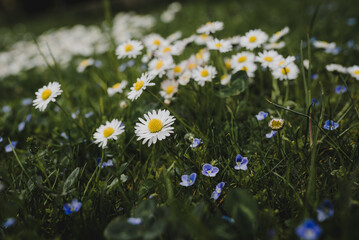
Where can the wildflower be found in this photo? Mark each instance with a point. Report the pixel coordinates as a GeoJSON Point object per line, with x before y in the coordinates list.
{"type": "Point", "coordinates": [167, 50]}
{"type": "Point", "coordinates": [309, 230]}
{"type": "Point", "coordinates": [354, 71]}
{"type": "Point", "coordinates": [28, 118]}
{"type": "Point", "coordinates": [130, 49]}
{"type": "Point", "coordinates": [140, 85]}
{"type": "Point", "coordinates": [253, 39]}
{"type": "Point", "coordinates": [328, 47]}
{"type": "Point", "coordinates": [238, 60]}
{"type": "Point", "coordinates": [325, 210]}
{"type": "Point", "coordinates": [184, 78]}
{"type": "Point", "coordinates": [8, 223]}
{"type": "Point", "coordinates": [21, 126]}
{"type": "Point", "coordinates": [219, 188]}
{"type": "Point", "coordinates": [340, 89]}
{"type": "Point", "coordinates": [204, 74]}
{"type": "Point", "coordinates": [306, 63]}
{"type": "Point", "coordinates": [169, 88]}
{"type": "Point", "coordinates": [279, 34]}
{"type": "Point", "coordinates": [271, 134]}
{"type": "Point", "coordinates": [315, 102]}
{"type": "Point", "coordinates": [89, 114]}
{"type": "Point", "coordinates": [202, 56]}
{"type": "Point", "coordinates": [117, 88]}
{"type": "Point", "coordinates": [110, 130]}
{"type": "Point", "coordinates": [225, 79]}
{"type": "Point", "coordinates": [220, 45]}
{"type": "Point", "coordinates": [84, 64]}
{"type": "Point", "coordinates": [8, 148]}
{"type": "Point", "coordinates": [248, 67]}
{"type": "Point", "coordinates": [228, 219]}
{"type": "Point", "coordinates": [196, 142]}
{"type": "Point", "coordinates": [286, 69]}
{"type": "Point", "coordinates": [153, 41]}
{"type": "Point", "coordinates": [109, 163]}
{"type": "Point", "coordinates": [210, 27]}
{"type": "Point", "coordinates": [276, 123]}
{"type": "Point", "coordinates": [63, 134]}
{"type": "Point", "coordinates": [188, 180]}
{"type": "Point", "coordinates": [47, 94]}
{"type": "Point", "coordinates": [241, 163]}
{"type": "Point", "coordinates": [202, 39]}
{"type": "Point", "coordinates": [72, 207]}
{"type": "Point", "coordinates": [134, 221]}
{"type": "Point", "coordinates": [26, 101]}
{"type": "Point", "coordinates": [1, 139]}
{"type": "Point", "coordinates": [123, 104]}
{"type": "Point", "coordinates": [209, 170]}
{"type": "Point", "coordinates": [268, 58]}
{"type": "Point", "coordinates": [6, 109]}
{"type": "Point", "coordinates": [261, 115]}
{"type": "Point", "coordinates": [276, 45]}
{"type": "Point", "coordinates": [160, 66]}
{"type": "Point", "coordinates": [336, 68]}
{"type": "Point", "coordinates": [177, 70]}
{"type": "Point", "coordinates": [330, 125]}
{"type": "Point", "coordinates": [156, 126]}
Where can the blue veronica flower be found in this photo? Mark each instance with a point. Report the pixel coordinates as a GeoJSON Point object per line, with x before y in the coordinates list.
{"type": "Point", "coordinates": [21, 126]}
{"type": "Point", "coordinates": [188, 180]}
{"type": "Point", "coordinates": [134, 221]}
{"type": "Point", "coordinates": [1, 139]}
{"type": "Point", "coordinates": [6, 109]}
{"type": "Point", "coordinates": [63, 134]}
{"type": "Point", "coordinates": [330, 125]}
{"type": "Point", "coordinates": [350, 43]}
{"type": "Point", "coordinates": [209, 170]}
{"type": "Point", "coordinates": [26, 101]}
{"type": "Point", "coordinates": [241, 163]}
{"type": "Point", "coordinates": [122, 67]}
{"type": "Point", "coordinates": [261, 115]}
{"type": "Point", "coordinates": [28, 118]}
{"type": "Point", "coordinates": [325, 210]}
{"type": "Point", "coordinates": [315, 76]}
{"type": "Point", "coordinates": [8, 147]}
{"type": "Point", "coordinates": [89, 114]}
{"type": "Point", "coordinates": [98, 63]}
{"type": "Point", "coordinates": [73, 115]}
{"type": "Point", "coordinates": [217, 192]}
{"type": "Point", "coordinates": [196, 142]}
{"type": "Point", "coordinates": [340, 89]}
{"type": "Point", "coordinates": [271, 134]}
{"type": "Point", "coordinates": [8, 223]}
{"type": "Point", "coordinates": [131, 63]}
{"type": "Point", "coordinates": [72, 207]}
{"type": "Point", "coordinates": [309, 230]}
{"type": "Point", "coordinates": [109, 163]}
{"type": "Point", "coordinates": [315, 102]}
{"type": "Point", "coordinates": [228, 219]}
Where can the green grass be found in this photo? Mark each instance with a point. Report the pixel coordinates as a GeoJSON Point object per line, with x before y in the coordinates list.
{"type": "Point", "coordinates": [287, 177]}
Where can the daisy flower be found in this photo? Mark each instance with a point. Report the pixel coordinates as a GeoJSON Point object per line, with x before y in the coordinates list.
{"type": "Point", "coordinates": [47, 94]}
{"type": "Point", "coordinates": [202, 57]}
{"type": "Point", "coordinates": [153, 41]}
{"type": "Point", "coordinates": [225, 79]}
{"type": "Point", "coordinates": [155, 126]}
{"type": "Point", "coordinates": [204, 74]}
{"type": "Point", "coordinates": [167, 50]}
{"type": "Point", "coordinates": [202, 39]}
{"type": "Point", "coordinates": [108, 131]}
{"type": "Point", "coordinates": [268, 58]}
{"type": "Point", "coordinates": [184, 78]}
{"type": "Point", "coordinates": [253, 39]}
{"type": "Point", "coordinates": [276, 123]}
{"type": "Point", "coordinates": [227, 63]}
{"type": "Point", "coordinates": [286, 69]}
{"type": "Point", "coordinates": [169, 88]}
{"type": "Point", "coordinates": [84, 64]}
{"type": "Point", "coordinates": [177, 70]}
{"type": "Point", "coordinates": [354, 71]}
{"type": "Point", "coordinates": [248, 67]}
{"type": "Point", "coordinates": [239, 59]}
{"type": "Point", "coordinates": [324, 45]}
{"type": "Point", "coordinates": [336, 68]}
{"type": "Point", "coordinates": [210, 27]}
{"type": "Point", "coordinates": [130, 49]}
{"type": "Point", "coordinates": [140, 85]}
{"type": "Point", "coordinates": [278, 35]}
{"type": "Point", "coordinates": [191, 63]}
{"type": "Point", "coordinates": [160, 66]}
{"type": "Point", "coordinates": [117, 88]}
{"type": "Point", "coordinates": [220, 45]}
{"type": "Point", "coordinates": [276, 45]}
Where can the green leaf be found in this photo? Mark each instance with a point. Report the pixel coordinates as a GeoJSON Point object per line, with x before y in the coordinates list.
{"type": "Point", "coordinates": [70, 181]}
{"type": "Point", "coordinates": [239, 83]}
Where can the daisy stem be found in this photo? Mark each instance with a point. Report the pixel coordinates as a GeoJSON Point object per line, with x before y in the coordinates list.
{"type": "Point", "coordinates": [173, 113]}
{"type": "Point", "coordinates": [100, 165]}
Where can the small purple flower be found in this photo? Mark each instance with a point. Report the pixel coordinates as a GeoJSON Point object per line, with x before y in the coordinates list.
{"type": "Point", "coordinates": [26, 101]}
{"type": "Point", "coordinates": [196, 142]}
{"type": "Point", "coordinates": [241, 163]}
{"type": "Point", "coordinates": [309, 230]}
{"type": "Point", "coordinates": [325, 210]}
{"type": "Point", "coordinates": [315, 76]}
{"type": "Point", "coordinates": [271, 134]}
{"type": "Point", "coordinates": [131, 63]}
{"type": "Point", "coordinates": [209, 170]}
{"type": "Point", "coordinates": [261, 115]}
{"type": "Point", "coordinates": [89, 114]}
{"type": "Point", "coordinates": [8, 223]}
{"type": "Point", "coordinates": [109, 163]}
{"type": "Point", "coordinates": [330, 125]}
{"type": "Point", "coordinates": [1, 139]}
{"type": "Point", "coordinates": [8, 147]}
{"type": "Point", "coordinates": [217, 192]}
{"type": "Point", "coordinates": [134, 221]}
{"type": "Point", "coordinates": [28, 118]}
{"type": "Point", "coordinates": [340, 89]}
{"type": "Point", "coordinates": [6, 109]}
{"type": "Point", "coordinates": [188, 180]}
{"type": "Point", "coordinates": [63, 134]}
{"type": "Point", "coordinates": [21, 126]}
{"type": "Point", "coordinates": [72, 207]}
{"type": "Point", "coordinates": [315, 102]}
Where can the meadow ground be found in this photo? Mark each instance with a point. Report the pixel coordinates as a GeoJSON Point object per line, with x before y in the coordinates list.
{"type": "Point", "coordinates": [243, 134]}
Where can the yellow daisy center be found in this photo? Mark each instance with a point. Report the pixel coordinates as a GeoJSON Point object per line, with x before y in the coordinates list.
{"type": "Point", "coordinates": [117, 85]}
{"type": "Point", "coordinates": [170, 89]}
{"type": "Point", "coordinates": [276, 124]}
{"type": "Point", "coordinates": [253, 39]}
{"type": "Point", "coordinates": [191, 66]}
{"type": "Point", "coordinates": [166, 49]}
{"type": "Point", "coordinates": [223, 77]}
{"type": "Point", "coordinates": [285, 70]}
{"type": "Point", "coordinates": [228, 64]}
{"type": "Point", "coordinates": [128, 48]}
{"type": "Point", "coordinates": [244, 68]}
{"type": "Point", "coordinates": [356, 72]}
{"type": "Point", "coordinates": [218, 45]}
{"type": "Point", "coordinates": [177, 69]}
{"type": "Point", "coordinates": [46, 94]}
{"type": "Point", "coordinates": [159, 64]}
{"type": "Point", "coordinates": [198, 56]}
{"type": "Point", "coordinates": [277, 33]}
{"type": "Point", "coordinates": [84, 63]}
{"type": "Point", "coordinates": [268, 59]}
{"type": "Point", "coordinates": [242, 59]}
{"type": "Point", "coordinates": [280, 63]}
{"type": "Point", "coordinates": [204, 73]}
{"type": "Point", "coordinates": [156, 42]}
{"type": "Point", "coordinates": [204, 36]}
{"type": "Point", "coordinates": [138, 85]}
{"type": "Point", "coordinates": [155, 125]}
{"type": "Point", "coordinates": [108, 132]}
